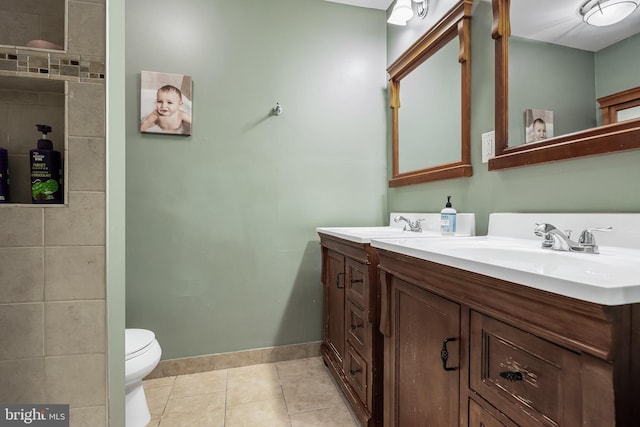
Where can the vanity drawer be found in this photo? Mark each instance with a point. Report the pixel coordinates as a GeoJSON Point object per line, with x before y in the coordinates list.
{"type": "Point", "coordinates": [528, 378]}
{"type": "Point", "coordinates": [356, 370]}
{"type": "Point", "coordinates": [479, 417]}
{"type": "Point", "coordinates": [357, 283]}
{"type": "Point", "coordinates": [358, 330]}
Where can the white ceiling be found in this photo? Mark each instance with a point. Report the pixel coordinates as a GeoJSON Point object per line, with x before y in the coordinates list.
{"type": "Point", "coordinates": [560, 22]}
{"type": "Point", "coordinates": [553, 21]}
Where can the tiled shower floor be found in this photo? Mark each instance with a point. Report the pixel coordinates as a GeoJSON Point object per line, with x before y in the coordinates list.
{"type": "Point", "coordinates": [295, 393]}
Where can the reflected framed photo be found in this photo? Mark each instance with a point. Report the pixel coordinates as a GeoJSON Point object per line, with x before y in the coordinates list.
{"type": "Point", "coordinates": [538, 125]}
{"type": "Point", "coordinates": [165, 103]}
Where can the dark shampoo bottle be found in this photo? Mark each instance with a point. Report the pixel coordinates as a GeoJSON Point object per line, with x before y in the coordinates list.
{"type": "Point", "coordinates": [4, 176]}
{"type": "Point", "coordinates": [46, 170]}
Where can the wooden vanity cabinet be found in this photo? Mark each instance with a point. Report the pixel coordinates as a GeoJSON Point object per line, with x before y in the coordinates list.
{"type": "Point", "coordinates": [422, 362]}
{"type": "Point", "coordinates": [351, 340]}
{"type": "Point", "coordinates": [516, 356]}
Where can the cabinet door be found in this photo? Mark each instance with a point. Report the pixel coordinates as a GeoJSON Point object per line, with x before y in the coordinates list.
{"type": "Point", "coordinates": [334, 304]}
{"type": "Point", "coordinates": [424, 391]}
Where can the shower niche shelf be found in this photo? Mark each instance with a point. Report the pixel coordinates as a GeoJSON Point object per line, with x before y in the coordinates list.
{"type": "Point", "coordinates": [37, 25]}
{"type": "Point", "coordinates": [25, 102]}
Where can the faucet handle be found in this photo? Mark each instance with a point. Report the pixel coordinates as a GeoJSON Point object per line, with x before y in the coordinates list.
{"type": "Point", "coordinates": [586, 237]}
{"type": "Point", "coordinates": [588, 241]}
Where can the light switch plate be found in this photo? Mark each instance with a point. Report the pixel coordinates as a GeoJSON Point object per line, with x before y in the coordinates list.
{"type": "Point", "coordinates": [488, 146]}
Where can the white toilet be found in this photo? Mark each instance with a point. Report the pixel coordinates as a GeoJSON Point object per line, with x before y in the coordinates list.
{"type": "Point", "coordinates": [142, 354]}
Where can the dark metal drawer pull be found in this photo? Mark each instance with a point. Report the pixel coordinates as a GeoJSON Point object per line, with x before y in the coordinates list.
{"type": "Point", "coordinates": [338, 281]}
{"type": "Point", "coordinates": [356, 280]}
{"type": "Point", "coordinates": [511, 375]}
{"type": "Point", "coordinates": [354, 371]}
{"type": "Point", "coordinates": [444, 354]}
{"type": "Point", "coordinates": [354, 326]}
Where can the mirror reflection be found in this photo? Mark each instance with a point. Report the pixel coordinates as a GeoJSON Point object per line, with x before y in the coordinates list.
{"type": "Point", "coordinates": [552, 69]}
{"type": "Point", "coordinates": [427, 137]}
{"type": "Point", "coordinates": [560, 64]}
{"type": "Point", "coordinates": [629, 114]}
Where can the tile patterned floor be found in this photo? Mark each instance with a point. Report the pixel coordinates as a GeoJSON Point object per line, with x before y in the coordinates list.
{"type": "Point", "coordinates": [295, 393]}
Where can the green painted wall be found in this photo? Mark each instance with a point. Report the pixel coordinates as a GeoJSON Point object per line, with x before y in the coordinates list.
{"type": "Point", "coordinates": [583, 74]}
{"type": "Point", "coordinates": [222, 253]}
{"type": "Point", "coordinates": [428, 137]}
{"type": "Point", "coordinates": [593, 184]}
{"type": "Point", "coordinates": [546, 76]}
{"type": "Point", "coordinates": [116, 189]}
{"type": "Point", "coordinates": [616, 69]}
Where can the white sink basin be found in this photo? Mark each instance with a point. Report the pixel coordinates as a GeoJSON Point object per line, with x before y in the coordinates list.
{"type": "Point", "coordinates": [430, 225]}
{"type": "Point", "coordinates": [611, 277]}
{"type": "Point", "coordinates": [365, 234]}
{"type": "Point", "coordinates": [608, 269]}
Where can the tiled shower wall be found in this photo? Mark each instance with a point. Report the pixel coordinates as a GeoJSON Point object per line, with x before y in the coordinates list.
{"type": "Point", "coordinates": [24, 20]}
{"type": "Point", "coordinates": [52, 259]}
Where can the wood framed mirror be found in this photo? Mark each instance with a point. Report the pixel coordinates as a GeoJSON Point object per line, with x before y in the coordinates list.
{"type": "Point", "coordinates": [436, 119]}
{"type": "Point", "coordinates": [620, 106]}
{"type": "Point", "coordinates": [600, 137]}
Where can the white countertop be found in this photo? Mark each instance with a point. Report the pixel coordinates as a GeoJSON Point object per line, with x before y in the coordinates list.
{"type": "Point", "coordinates": [430, 228]}
{"type": "Point", "coordinates": [512, 252]}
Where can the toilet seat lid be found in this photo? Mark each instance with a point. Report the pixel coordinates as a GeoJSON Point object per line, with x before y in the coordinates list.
{"type": "Point", "coordinates": [137, 341]}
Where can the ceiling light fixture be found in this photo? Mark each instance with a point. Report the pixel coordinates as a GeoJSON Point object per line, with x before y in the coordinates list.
{"type": "Point", "coordinates": [601, 13]}
{"type": "Point", "coordinates": [402, 11]}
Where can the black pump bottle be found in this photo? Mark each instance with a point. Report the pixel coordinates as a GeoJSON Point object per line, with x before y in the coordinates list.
{"type": "Point", "coordinates": [46, 171]}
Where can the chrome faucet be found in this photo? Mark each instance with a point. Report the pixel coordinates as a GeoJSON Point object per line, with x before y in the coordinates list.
{"type": "Point", "coordinates": [559, 241]}
{"type": "Point", "coordinates": [413, 225]}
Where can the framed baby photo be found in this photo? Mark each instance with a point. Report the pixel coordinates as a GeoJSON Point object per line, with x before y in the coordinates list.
{"type": "Point", "coordinates": [538, 125]}
{"type": "Point", "coordinates": [165, 103]}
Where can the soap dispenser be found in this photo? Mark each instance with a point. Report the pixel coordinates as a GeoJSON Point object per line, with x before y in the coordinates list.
{"type": "Point", "coordinates": [448, 219]}
{"type": "Point", "coordinates": [46, 170]}
{"type": "Point", "coordinates": [4, 176]}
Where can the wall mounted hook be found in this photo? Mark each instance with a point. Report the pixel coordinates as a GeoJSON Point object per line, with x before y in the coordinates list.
{"type": "Point", "coordinates": [277, 110]}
